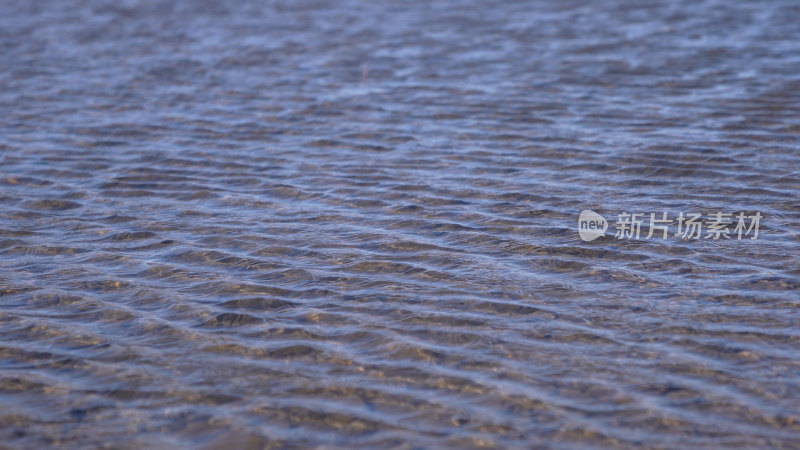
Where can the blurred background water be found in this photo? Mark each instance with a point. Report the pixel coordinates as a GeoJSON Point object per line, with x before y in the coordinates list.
{"type": "Point", "coordinates": [311, 223]}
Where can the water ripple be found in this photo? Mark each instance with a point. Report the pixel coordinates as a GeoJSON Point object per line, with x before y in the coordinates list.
{"type": "Point", "coordinates": [351, 224]}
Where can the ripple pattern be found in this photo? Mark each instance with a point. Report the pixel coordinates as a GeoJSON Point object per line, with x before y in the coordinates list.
{"type": "Point", "coordinates": [354, 224]}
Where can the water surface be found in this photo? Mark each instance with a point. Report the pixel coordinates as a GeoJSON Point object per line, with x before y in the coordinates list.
{"type": "Point", "coordinates": [354, 224]}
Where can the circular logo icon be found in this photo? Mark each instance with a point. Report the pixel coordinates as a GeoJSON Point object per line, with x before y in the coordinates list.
{"type": "Point", "coordinates": [591, 225]}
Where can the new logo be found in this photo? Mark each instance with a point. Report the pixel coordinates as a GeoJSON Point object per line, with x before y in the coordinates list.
{"type": "Point", "coordinates": [591, 225]}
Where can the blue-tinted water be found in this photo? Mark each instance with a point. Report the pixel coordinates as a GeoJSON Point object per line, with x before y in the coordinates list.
{"type": "Point", "coordinates": [354, 224]}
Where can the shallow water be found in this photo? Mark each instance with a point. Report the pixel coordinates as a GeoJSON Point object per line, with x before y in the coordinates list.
{"type": "Point", "coordinates": [355, 224]}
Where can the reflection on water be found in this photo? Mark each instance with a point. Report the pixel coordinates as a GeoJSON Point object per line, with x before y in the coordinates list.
{"type": "Point", "coordinates": [217, 228]}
